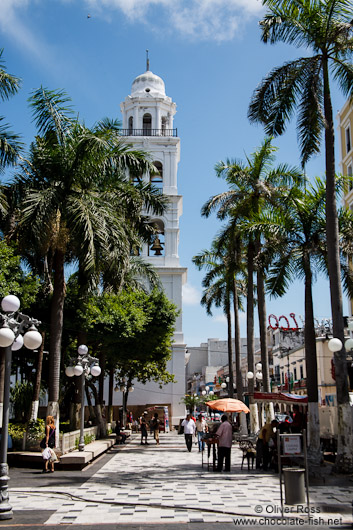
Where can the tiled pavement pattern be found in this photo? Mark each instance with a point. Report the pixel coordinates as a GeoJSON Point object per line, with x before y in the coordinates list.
{"type": "Point", "coordinates": [166, 484]}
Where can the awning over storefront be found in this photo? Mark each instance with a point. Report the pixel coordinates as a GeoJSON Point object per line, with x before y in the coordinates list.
{"type": "Point", "coordinates": [281, 397]}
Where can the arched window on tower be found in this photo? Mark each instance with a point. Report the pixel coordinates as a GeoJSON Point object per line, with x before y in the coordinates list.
{"type": "Point", "coordinates": [131, 126]}
{"type": "Point", "coordinates": [157, 180]}
{"type": "Point", "coordinates": [157, 245]}
{"type": "Point", "coordinates": [147, 124]}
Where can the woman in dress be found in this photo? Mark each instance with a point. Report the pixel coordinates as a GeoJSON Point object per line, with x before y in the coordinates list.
{"type": "Point", "coordinates": [50, 442]}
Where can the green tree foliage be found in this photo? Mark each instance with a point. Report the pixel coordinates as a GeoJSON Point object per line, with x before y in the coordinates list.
{"type": "Point", "coordinates": [10, 144]}
{"type": "Point", "coordinates": [14, 279]}
{"type": "Point", "coordinates": [133, 328]}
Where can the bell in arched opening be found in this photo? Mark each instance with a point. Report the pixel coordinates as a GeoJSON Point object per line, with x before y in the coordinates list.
{"type": "Point", "coordinates": [157, 246]}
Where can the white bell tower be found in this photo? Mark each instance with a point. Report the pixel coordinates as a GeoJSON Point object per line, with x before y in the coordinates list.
{"type": "Point", "coordinates": [148, 124]}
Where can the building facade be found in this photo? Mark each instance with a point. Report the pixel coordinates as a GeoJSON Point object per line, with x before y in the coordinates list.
{"type": "Point", "coordinates": [148, 115]}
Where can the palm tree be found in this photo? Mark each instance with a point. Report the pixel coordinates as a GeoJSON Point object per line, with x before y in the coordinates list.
{"type": "Point", "coordinates": [325, 28]}
{"type": "Point", "coordinates": [253, 185]}
{"type": "Point", "coordinates": [10, 145]}
{"type": "Point", "coordinates": [298, 238]}
{"type": "Point", "coordinates": [218, 286]}
{"type": "Point", "coordinates": [76, 203]}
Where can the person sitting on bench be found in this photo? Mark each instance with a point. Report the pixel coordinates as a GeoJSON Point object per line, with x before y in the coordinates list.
{"type": "Point", "coordinates": [120, 436]}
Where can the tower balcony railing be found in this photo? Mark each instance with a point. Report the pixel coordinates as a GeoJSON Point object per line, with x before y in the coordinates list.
{"type": "Point", "coordinates": [149, 132]}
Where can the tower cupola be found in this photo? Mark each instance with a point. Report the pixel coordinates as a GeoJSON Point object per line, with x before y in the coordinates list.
{"type": "Point", "coordinates": [148, 84]}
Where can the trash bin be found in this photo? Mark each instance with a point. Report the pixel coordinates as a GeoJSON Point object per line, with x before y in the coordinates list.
{"type": "Point", "coordinates": [294, 486]}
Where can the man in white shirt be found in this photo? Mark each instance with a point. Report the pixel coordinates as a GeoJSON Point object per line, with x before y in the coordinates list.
{"type": "Point", "coordinates": [189, 430]}
{"type": "Point", "coordinates": [225, 436]}
{"type": "Point", "coordinates": [201, 429]}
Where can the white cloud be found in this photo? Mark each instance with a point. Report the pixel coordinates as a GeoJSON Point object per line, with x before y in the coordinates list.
{"type": "Point", "coordinates": [217, 20]}
{"type": "Point", "coordinates": [12, 25]}
{"type": "Point", "coordinates": [191, 295]}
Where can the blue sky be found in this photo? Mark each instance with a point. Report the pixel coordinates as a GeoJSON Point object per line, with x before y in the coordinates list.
{"type": "Point", "coordinates": [210, 56]}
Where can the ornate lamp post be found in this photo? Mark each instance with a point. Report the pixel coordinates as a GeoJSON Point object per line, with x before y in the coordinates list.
{"type": "Point", "coordinates": [83, 366]}
{"type": "Point", "coordinates": [17, 330]}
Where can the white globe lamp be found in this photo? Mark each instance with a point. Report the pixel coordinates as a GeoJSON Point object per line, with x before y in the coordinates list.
{"type": "Point", "coordinates": [18, 343]}
{"type": "Point", "coordinates": [32, 339]}
{"type": "Point", "coordinates": [95, 370]}
{"type": "Point", "coordinates": [259, 367]}
{"type": "Point", "coordinates": [348, 344]}
{"type": "Point", "coordinates": [334, 345]}
{"type": "Point", "coordinates": [78, 370]}
{"type": "Point", "coordinates": [82, 350]}
{"type": "Point", "coordinates": [211, 393]}
{"type": "Point", "coordinates": [203, 392]}
{"type": "Point", "coordinates": [7, 337]}
{"type": "Point", "coordinates": [10, 303]}
{"type": "Point", "coordinates": [224, 385]}
{"type": "Point", "coordinates": [69, 371]}
{"type": "Point", "coordinates": [250, 375]}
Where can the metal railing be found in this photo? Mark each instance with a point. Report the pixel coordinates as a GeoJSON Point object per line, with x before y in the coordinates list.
{"type": "Point", "coordinates": [149, 132]}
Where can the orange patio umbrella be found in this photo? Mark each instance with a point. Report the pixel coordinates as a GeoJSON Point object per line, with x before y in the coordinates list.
{"type": "Point", "coordinates": [228, 405]}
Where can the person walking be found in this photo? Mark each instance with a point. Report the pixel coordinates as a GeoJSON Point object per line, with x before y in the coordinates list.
{"type": "Point", "coordinates": [143, 427]}
{"type": "Point", "coordinates": [224, 435]}
{"type": "Point", "coordinates": [189, 431]}
{"type": "Point", "coordinates": [50, 432]}
{"type": "Point", "coordinates": [155, 426]}
{"type": "Point", "coordinates": [201, 429]}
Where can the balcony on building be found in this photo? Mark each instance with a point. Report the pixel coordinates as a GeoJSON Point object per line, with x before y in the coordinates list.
{"type": "Point", "coordinates": [147, 131]}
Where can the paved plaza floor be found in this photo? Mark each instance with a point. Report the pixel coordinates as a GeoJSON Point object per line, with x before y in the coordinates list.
{"type": "Point", "coordinates": [166, 485]}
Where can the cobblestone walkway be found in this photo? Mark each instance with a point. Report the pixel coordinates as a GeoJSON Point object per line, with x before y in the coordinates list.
{"type": "Point", "coordinates": [152, 484]}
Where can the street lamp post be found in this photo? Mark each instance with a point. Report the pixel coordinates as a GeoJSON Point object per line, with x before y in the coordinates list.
{"type": "Point", "coordinates": [82, 366]}
{"type": "Point", "coordinates": [17, 330]}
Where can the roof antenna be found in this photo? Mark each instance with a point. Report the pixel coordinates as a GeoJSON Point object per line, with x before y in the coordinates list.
{"type": "Point", "coordinates": [147, 62]}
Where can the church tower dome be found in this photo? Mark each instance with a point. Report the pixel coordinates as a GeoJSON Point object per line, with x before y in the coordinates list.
{"type": "Point", "coordinates": [148, 84]}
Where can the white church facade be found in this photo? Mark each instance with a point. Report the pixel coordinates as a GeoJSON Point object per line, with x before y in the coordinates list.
{"type": "Point", "coordinates": [147, 115]}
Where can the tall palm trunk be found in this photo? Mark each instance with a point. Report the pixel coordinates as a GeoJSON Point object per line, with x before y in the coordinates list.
{"type": "Point", "coordinates": [311, 368]}
{"type": "Point", "coordinates": [36, 389]}
{"type": "Point", "coordinates": [237, 343]}
{"type": "Point", "coordinates": [230, 346]}
{"type": "Point", "coordinates": [254, 420]}
{"type": "Point", "coordinates": [237, 348]}
{"type": "Point", "coordinates": [111, 393]}
{"type": "Point", "coordinates": [56, 328]}
{"type": "Point", "coordinates": [261, 308]}
{"type": "Point", "coordinates": [344, 459]}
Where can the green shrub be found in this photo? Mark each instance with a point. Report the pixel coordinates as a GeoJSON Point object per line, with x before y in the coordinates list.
{"type": "Point", "coordinates": [87, 439]}
{"type": "Point", "coordinates": [35, 431]}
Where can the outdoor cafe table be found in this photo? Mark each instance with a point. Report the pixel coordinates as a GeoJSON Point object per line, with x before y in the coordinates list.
{"type": "Point", "coordinates": [211, 444]}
